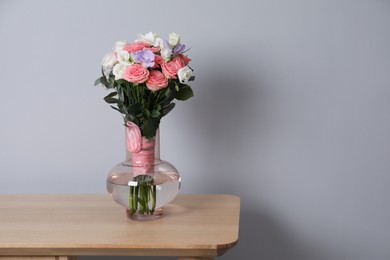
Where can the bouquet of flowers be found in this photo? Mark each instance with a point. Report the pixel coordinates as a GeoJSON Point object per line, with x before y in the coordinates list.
{"type": "Point", "coordinates": [144, 77]}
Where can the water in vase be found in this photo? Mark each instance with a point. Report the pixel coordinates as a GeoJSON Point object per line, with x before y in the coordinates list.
{"type": "Point", "coordinates": [167, 187]}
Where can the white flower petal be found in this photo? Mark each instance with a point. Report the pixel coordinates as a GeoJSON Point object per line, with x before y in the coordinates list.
{"type": "Point", "coordinates": [173, 39]}
{"type": "Point", "coordinates": [166, 54]}
{"type": "Point", "coordinates": [184, 74]}
{"type": "Point", "coordinates": [118, 70]}
{"type": "Point", "coordinates": [108, 63]}
{"type": "Point", "coordinates": [119, 46]}
{"type": "Point", "coordinates": [149, 38]}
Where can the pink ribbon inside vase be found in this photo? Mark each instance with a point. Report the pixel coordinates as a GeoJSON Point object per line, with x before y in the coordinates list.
{"type": "Point", "coordinates": [143, 161]}
{"type": "Point", "coordinates": [142, 150]}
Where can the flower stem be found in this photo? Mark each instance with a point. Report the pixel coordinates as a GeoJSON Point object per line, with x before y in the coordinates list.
{"type": "Point", "coordinates": [141, 195]}
{"type": "Point", "coordinates": [135, 201]}
{"type": "Point", "coordinates": [154, 196]}
{"type": "Point", "coordinates": [131, 200]}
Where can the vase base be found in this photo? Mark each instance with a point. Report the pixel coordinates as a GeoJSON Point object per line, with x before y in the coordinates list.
{"type": "Point", "coordinates": [145, 217]}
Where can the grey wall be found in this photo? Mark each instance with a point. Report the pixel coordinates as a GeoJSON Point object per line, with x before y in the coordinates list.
{"type": "Point", "coordinates": [291, 113]}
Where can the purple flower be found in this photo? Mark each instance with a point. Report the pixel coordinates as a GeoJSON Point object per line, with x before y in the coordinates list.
{"type": "Point", "coordinates": [179, 48]}
{"type": "Point", "coordinates": [145, 57]}
{"type": "Point", "coordinates": [167, 45]}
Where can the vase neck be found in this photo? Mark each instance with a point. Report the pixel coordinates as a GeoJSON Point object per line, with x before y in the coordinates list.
{"type": "Point", "coordinates": [150, 150]}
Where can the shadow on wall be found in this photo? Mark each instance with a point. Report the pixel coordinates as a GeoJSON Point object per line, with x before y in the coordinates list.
{"type": "Point", "coordinates": [262, 237]}
{"type": "Point", "coordinates": [225, 114]}
{"type": "Point", "coordinates": [226, 109]}
{"type": "Point", "coordinates": [236, 113]}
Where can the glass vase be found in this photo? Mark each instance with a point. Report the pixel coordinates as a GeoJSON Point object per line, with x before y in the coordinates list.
{"type": "Point", "coordinates": [144, 183]}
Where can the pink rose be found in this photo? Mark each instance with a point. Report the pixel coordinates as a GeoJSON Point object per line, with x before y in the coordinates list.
{"type": "Point", "coordinates": [158, 60]}
{"type": "Point", "coordinates": [136, 73]}
{"type": "Point", "coordinates": [155, 49]}
{"type": "Point", "coordinates": [134, 138]}
{"type": "Point", "coordinates": [184, 58]}
{"type": "Point", "coordinates": [179, 62]}
{"type": "Point", "coordinates": [156, 81]}
{"type": "Point", "coordinates": [171, 68]}
{"type": "Point", "coordinates": [134, 47]}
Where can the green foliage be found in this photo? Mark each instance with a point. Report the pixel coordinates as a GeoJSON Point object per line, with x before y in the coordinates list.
{"type": "Point", "coordinates": [155, 114]}
{"type": "Point", "coordinates": [110, 98]}
{"type": "Point", "coordinates": [167, 109]}
{"type": "Point", "coordinates": [184, 93]}
{"type": "Point", "coordinates": [140, 105]}
{"type": "Point", "coordinates": [97, 82]}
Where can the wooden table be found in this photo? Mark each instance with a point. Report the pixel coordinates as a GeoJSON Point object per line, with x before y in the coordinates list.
{"type": "Point", "coordinates": [66, 226]}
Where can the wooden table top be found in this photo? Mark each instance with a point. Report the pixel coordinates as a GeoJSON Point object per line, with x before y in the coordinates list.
{"type": "Point", "coordinates": [192, 225]}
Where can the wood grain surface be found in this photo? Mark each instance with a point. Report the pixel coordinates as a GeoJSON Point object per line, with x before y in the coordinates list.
{"type": "Point", "coordinates": [71, 225]}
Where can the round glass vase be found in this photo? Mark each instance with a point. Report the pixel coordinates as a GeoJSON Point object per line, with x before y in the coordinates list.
{"type": "Point", "coordinates": [144, 183]}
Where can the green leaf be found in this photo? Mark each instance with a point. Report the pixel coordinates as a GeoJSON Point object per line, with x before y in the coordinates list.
{"type": "Point", "coordinates": [133, 119]}
{"type": "Point", "coordinates": [109, 98]}
{"type": "Point", "coordinates": [167, 92]}
{"type": "Point", "coordinates": [120, 81]}
{"type": "Point", "coordinates": [150, 127]}
{"type": "Point", "coordinates": [167, 109]}
{"type": "Point", "coordinates": [111, 81]}
{"type": "Point", "coordinates": [129, 117]}
{"type": "Point", "coordinates": [184, 93]}
{"type": "Point", "coordinates": [97, 82]}
{"type": "Point", "coordinates": [104, 81]}
{"type": "Point", "coordinates": [121, 94]}
{"type": "Point", "coordinates": [121, 108]}
{"type": "Point", "coordinates": [134, 109]}
{"type": "Point", "coordinates": [117, 109]}
{"type": "Point", "coordinates": [146, 112]}
{"type": "Point", "coordinates": [112, 94]}
{"type": "Point", "coordinates": [155, 114]}
{"type": "Point", "coordinates": [169, 98]}
{"type": "Point", "coordinates": [151, 101]}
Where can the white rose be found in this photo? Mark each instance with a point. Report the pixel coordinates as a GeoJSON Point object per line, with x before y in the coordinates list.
{"type": "Point", "coordinates": [166, 54]}
{"type": "Point", "coordinates": [173, 39]}
{"type": "Point", "coordinates": [184, 74]}
{"type": "Point", "coordinates": [118, 70]}
{"type": "Point", "coordinates": [150, 38]}
{"type": "Point", "coordinates": [119, 46]}
{"type": "Point", "coordinates": [123, 57]}
{"type": "Point", "coordinates": [108, 63]}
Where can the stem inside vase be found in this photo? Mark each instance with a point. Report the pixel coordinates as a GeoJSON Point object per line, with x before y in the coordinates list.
{"type": "Point", "coordinates": [142, 195]}
{"type": "Point", "coordinates": [144, 183]}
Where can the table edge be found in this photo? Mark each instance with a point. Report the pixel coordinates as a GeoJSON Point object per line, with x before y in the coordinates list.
{"type": "Point", "coordinates": [82, 250]}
